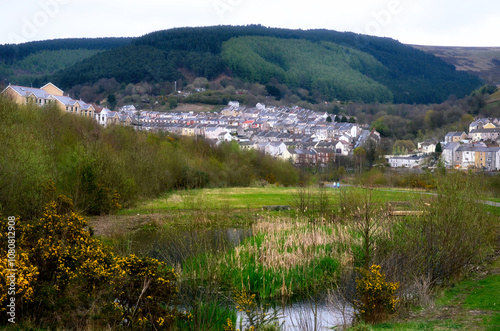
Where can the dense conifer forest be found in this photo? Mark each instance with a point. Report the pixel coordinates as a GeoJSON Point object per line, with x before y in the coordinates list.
{"type": "Point", "coordinates": [340, 65]}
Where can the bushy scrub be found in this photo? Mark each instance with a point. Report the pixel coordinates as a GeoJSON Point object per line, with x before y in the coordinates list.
{"type": "Point", "coordinates": [454, 233]}
{"type": "Point", "coordinates": [255, 316]}
{"type": "Point", "coordinates": [376, 299]}
{"type": "Point", "coordinates": [67, 279]}
{"type": "Point", "coordinates": [101, 168]}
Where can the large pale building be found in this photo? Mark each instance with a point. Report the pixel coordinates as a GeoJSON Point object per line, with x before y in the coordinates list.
{"type": "Point", "coordinates": [48, 94]}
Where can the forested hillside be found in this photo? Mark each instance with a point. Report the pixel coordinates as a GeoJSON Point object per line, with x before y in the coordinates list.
{"type": "Point", "coordinates": [481, 61]}
{"type": "Point", "coordinates": [10, 52]}
{"type": "Point", "coordinates": [412, 76]}
{"type": "Point", "coordinates": [31, 63]}
{"type": "Point", "coordinates": [337, 72]}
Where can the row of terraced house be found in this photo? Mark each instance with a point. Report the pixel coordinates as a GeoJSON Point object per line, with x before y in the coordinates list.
{"type": "Point", "coordinates": [51, 94]}
{"type": "Point", "coordinates": [304, 136]}
{"type": "Point", "coordinates": [292, 133]}
{"type": "Point", "coordinates": [477, 150]}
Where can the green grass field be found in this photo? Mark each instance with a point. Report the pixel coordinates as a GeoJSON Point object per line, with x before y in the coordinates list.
{"type": "Point", "coordinates": [251, 198]}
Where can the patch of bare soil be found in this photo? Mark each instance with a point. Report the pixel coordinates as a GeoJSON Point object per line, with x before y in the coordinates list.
{"type": "Point", "coordinates": [187, 107]}
{"type": "Point", "coordinates": [116, 225]}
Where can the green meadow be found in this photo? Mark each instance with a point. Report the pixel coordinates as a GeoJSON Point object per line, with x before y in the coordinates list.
{"type": "Point", "coordinates": [252, 198]}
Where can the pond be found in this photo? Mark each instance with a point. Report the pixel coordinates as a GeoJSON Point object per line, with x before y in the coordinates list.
{"type": "Point", "coordinates": [176, 245]}
{"type": "Point", "coordinates": [304, 315]}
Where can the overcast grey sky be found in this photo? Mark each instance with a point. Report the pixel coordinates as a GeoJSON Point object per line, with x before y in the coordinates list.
{"type": "Point", "coordinates": [423, 22]}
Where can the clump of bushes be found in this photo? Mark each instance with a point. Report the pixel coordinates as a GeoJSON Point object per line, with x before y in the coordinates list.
{"type": "Point", "coordinates": [376, 297]}
{"type": "Point", "coordinates": [68, 279]}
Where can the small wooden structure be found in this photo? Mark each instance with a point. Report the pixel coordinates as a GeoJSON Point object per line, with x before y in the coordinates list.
{"type": "Point", "coordinates": [392, 212]}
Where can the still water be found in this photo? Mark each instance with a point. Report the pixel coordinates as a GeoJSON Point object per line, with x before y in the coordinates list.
{"type": "Point", "coordinates": [303, 316]}
{"type": "Point", "coordinates": [174, 246]}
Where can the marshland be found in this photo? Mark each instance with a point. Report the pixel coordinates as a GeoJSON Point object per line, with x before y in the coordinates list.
{"type": "Point", "coordinates": [298, 269]}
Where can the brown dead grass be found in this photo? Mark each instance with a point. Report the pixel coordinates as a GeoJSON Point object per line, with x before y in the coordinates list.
{"type": "Point", "coordinates": [187, 107]}
{"type": "Point", "coordinates": [482, 61]}
{"type": "Point", "coordinates": [289, 243]}
{"type": "Point", "coordinates": [117, 225]}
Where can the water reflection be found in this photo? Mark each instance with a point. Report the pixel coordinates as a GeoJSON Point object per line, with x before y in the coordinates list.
{"type": "Point", "coordinates": [301, 316]}
{"type": "Point", "coordinates": [176, 245]}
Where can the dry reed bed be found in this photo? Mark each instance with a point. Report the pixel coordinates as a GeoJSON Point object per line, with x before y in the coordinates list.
{"type": "Point", "coordinates": [284, 243]}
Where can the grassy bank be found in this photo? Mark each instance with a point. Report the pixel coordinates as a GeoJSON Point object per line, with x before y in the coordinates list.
{"type": "Point", "coordinates": [473, 304]}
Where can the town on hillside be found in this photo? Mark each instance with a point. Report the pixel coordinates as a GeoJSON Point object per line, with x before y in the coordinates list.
{"type": "Point", "coordinates": [305, 137]}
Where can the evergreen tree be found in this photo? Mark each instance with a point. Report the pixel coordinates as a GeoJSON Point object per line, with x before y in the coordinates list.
{"type": "Point", "coordinates": [438, 151]}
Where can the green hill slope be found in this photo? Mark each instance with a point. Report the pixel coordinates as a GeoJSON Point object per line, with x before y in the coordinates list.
{"type": "Point", "coordinates": [374, 65]}
{"type": "Point", "coordinates": [31, 63]}
{"type": "Point", "coordinates": [412, 76]}
{"type": "Point", "coordinates": [38, 65]}
{"type": "Point", "coordinates": [337, 72]}
{"type": "Point", "coordinates": [481, 61]}
{"type": "Point", "coordinates": [95, 166]}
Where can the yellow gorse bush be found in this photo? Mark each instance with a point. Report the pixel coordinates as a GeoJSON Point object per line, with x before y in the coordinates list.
{"type": "Point", "coordinates": [255, 315]}
{"type": "Point", "coordinates": [376, 297]}
{"type": "Point", "coordinates": [67, 278]}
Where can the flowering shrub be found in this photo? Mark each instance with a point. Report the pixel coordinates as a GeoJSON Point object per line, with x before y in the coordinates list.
{"type": "Point", "coordinates": [376, 299]}
{"type": "Point", "coordinates": [67, 278]}
{"type": "Point", "coordinates": [256, 316]}
{"type": "Point", "coordinates": [147, 292]}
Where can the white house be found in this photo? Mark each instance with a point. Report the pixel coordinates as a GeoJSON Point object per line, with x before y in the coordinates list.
{"type": "Point", "coordinates": [213, 132]}
{"type": "Point", "coordinates": [224, 136]}
{"type": "Point", "coordinates": [411, 161]}
{"type": "Point", "coordinates": [101, 115]}
{"type": "Point", "coordinates": [448, 154]}
{"type": "Point", "coordinates": [276, 149]}
{"type": "Point", "coordinates": [342, 147]}
{"type": "Point", "coordinates": [465, 156]}
{"type": "Point", "coordinates": [428, 146]}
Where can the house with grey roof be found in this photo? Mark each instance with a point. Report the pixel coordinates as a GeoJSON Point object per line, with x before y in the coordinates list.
{"type": "Point", "coordinates": [455, 136]}
{"type": "Point", "coordinates": [448, 154]}
{"type": "Point", "coordinates": [409, 161]}
{"type": "Point", "coordinates": [484, 134]}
